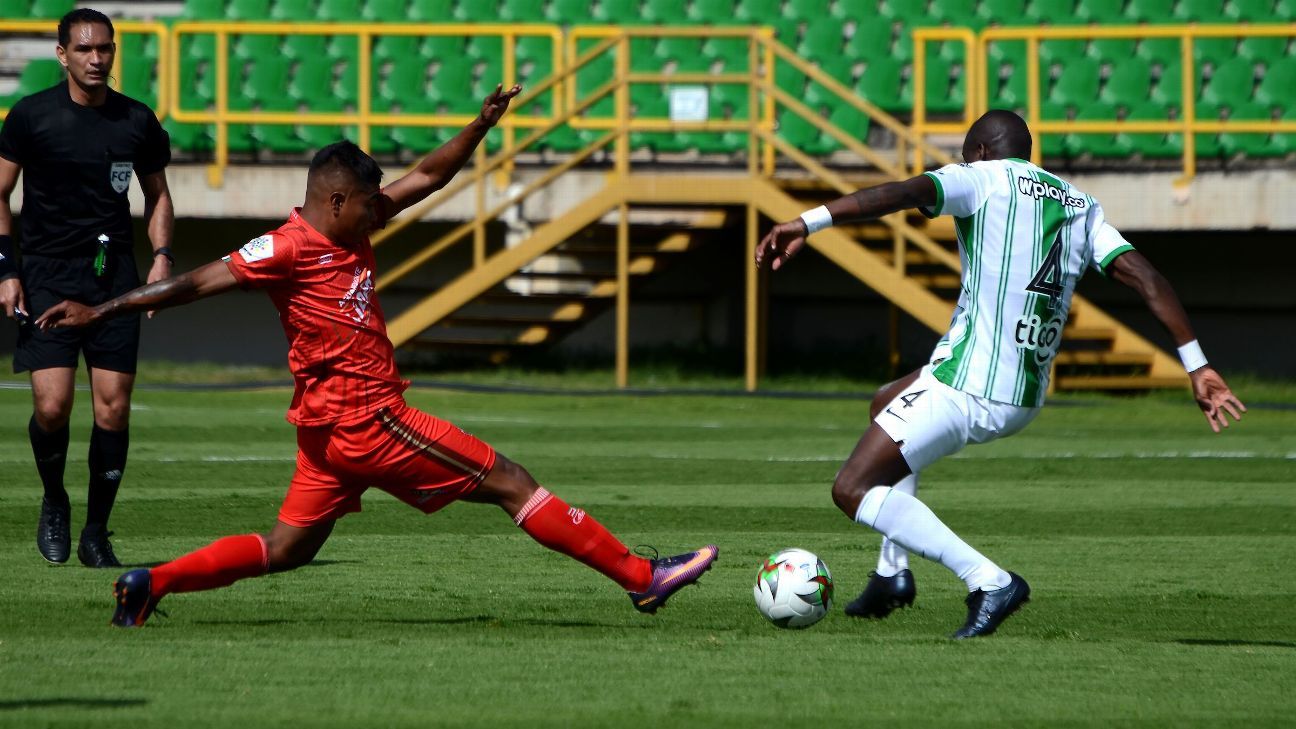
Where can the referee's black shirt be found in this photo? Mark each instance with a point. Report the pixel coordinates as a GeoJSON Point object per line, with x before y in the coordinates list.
{"type": "Point", "coordinates": [77, 163]}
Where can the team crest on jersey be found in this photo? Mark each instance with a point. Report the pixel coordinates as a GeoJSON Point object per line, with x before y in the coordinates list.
{"type": "Point", "coordinates": [119, 175]}
{"type": "Point", "coordinates": [1042, 339]}
{"type": "Point", "coordinates": [355, 304]}
{"type": "Point", "coordinates": [257, 249]}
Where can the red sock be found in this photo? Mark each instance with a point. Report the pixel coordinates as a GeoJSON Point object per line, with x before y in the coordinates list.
{"type": "Point", "coordinates": [562, 528]}
{"type": "Point", "coordinates": [223, 562]}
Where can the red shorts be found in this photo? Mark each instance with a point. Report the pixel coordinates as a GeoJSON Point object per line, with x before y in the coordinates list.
{"type": "Point", "coordinates": [421, 460]}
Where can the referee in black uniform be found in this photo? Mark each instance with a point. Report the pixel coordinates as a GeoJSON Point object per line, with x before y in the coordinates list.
{"type": "Point", "coordinates": [77, 145]}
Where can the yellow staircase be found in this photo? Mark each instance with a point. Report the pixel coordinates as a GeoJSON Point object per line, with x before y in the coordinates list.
{"type": "Point", "coordinates": [580, 263]}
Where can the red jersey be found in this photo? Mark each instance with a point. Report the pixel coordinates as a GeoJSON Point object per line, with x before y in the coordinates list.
{"type": "Point", "coordinates": [342, 362]}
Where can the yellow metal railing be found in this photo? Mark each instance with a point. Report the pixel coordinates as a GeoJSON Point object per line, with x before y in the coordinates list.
{"type": "Point", "coordinates": [976, 79]}
{"type": "Point", "coordinates": [124, 27]}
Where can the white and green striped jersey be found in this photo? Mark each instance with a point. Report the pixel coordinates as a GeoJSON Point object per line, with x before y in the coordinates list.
{"type": "Point", "coordinates": [1025, 237]}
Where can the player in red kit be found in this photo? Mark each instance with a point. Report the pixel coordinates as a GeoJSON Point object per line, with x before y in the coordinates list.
{"type": "Point", "coordinates": [354, 429]}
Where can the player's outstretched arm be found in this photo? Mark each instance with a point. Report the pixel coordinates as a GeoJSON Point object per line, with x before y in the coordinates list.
{"type": "Point", "coordinates": [786, 239]}
{"type": "Point", "coordinates": [439, 167]}
{"type": "Point", "coordinates": [208, 280]}
{"type": "Point", "coordinates": [1209, 389]}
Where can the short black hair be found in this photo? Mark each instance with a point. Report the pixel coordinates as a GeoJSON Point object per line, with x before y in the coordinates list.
{"type": "Point", "coordinates": [346, 157]}
{"type": "Point", "coordinates": [1004, 134]}
{"type": "Point", "coordinates": [77, 17]}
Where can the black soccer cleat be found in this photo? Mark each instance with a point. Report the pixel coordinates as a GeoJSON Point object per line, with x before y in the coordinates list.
{"type": "Point", "coordinates": [669, 574]}
{"type": "Point", "coordinates": [987, 609]}
{"type": "Point", "coordinates": [133, 593]}
{"type": "Point", "coordinates": [54, 533]}
{"type": "Point", "coordinates": [94, 549]}
{"type": "Point", "coordinates": [882, 595]}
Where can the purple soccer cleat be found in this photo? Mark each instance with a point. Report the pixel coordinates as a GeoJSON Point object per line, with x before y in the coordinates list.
{"type": "Point", "coordinates": [669, 574]}
{"type": "Point", "coordinates": [133, 593]}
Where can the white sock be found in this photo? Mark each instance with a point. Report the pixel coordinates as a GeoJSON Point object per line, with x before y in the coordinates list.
{"type": "Point", "coordinates": [893, 558]}
{"type": "Point", "coordinates": [909, 523]}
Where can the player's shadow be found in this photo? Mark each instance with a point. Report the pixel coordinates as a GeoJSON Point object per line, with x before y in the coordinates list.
{"type": "Point", "coordinates": [1228, 642]}
{"type": "Point", "coordinates": [72, 702]}
{"type": "Point", "coordinates": [495, 620]}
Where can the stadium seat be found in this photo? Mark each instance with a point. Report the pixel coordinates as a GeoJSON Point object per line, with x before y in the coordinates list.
{"type": "Point", "coordinates": [522, 11]}
{"type": "Point", "coordinates": [883, 83]}
{"type": "Point", "coordinates": [203, 10]}
{"type": "Point", "coordinates": [665, 12]}
{"type": "Point", "coordinates": [1155, 145]}
{"type": "Point", "coordinates": [1285, 10]}
{"type": "Point", "coordinates": [1004, 12]}
{"type": "Point", "coordinates": [384, 11]}
{"type": "Point", "coordinates": [1104, 12]}
{"type": "Point", "coordinates": [912, 14]}
{"type": "Point", "coordinates": [1162, 51]}
{"type": "Point", "coordinates": [945, 94]}
{"type": "Point", "coordinates": [618, 12]}
{"type": "Point", "coordinates": [339, 11]}
{"type": "Point", "coordinates": [1200, 11]}
{"type": "Point", "coordinates": [957, 13]}
{"type": "Point", "coordinates": [419, 140]}
{"type": "Point", "coordinates": [1276, 88]}
{"type": "Point", "coordinates": [1264, 49]}
{"type": "Point", "coordinates": [1077, 86]}
{"type": "Point", "coordinates": [52, 9]}
{"type": "Point", "coordinates": [1129, 84]}
{"type": "Point", "coordinates": [431, 11]}
{"type": "Point", "coordinates": [246, 10]}
{"type": "Point", "coordinates": [302, 47]}
{"type": "Point", "coordinates": [1006, 83]}
{"type": "Point", "coordinates": [1104, 145]}
{"type": "Point", "coordinates": [346, 89]}
{"type": "Point", "coordinates": [1249, 144]}
{"type": "Point", "coordinates": [199, 47]}
{"type": "Point", "coordinates": [1208, 144]}
{"type": "Point", "coordinates": [731, 53]}
{"type": "Point", "coordinates": [713, 12]}
{"type": "Point", "coordinates": [436, 47]}
{"type": "Point", "coordinates": [840, 69]}
{"type": "Point", "coordinates": [254, 46]}
{"type": "Point", "coordinates": [292, 10]}
{"type": "Point", "coordinates": [756, 12]}
{"type": "Point", "coordinates": [1231, 84]}
{"type": "Point", "coordinates": [1053, 145]}
{"type": "Point", "coordinates": [1214, 50]}
{"type": "Point", "coordinates": [197, 85]}
{"type": "Point", "coordinates": [393, 48]}
{"type": "Point", "coordinates": [311, 83]}
{"type": "Point", "coordinates": [452, 86]}
{"type": "Point", "coordinates": [1251, 11]}
{"type": "Point", "coordinates": [872, 39]}
{"type": "Point", "coordinates": [1168, 89]}
{"type": "Point", "coordinates": [476, 11]}
{"type": "Point", "coordinates": [805, 136]}
{"type": "Point", "coordinates": [1111, 50]}
{"type": "Point", "coordinates": [823, 40]}
{"type": "Point", "coordinates": [852, 121]}
{"type": "Point", "coordinates": [807, 10]}
{"type": "Point", "coordinates": [39, 74]}
{"type": "Point", "coordinates": [1150, 11]}
{"type": "Point", "coordinates": [406, 83]}
{"type": "Point", "coordinates": [569, 12]}
{"type": "Point", "coordinates": [654, 105]}
{"type": "Point", "coordinates": [266, 82]}
{"type": "Point", "coordinates": [190, 137]}
{"type": "Point", "coordinates": [1060, 52]}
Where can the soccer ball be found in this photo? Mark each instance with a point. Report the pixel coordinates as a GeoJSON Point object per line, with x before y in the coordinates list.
{"type": "Point", "coordinates": [793, 589]}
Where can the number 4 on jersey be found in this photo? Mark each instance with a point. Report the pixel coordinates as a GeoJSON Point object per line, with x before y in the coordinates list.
{"type": "Point", "coordinates": [1048, 279]}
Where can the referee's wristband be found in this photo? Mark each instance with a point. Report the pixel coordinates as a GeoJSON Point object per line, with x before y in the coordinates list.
{"type": "Point", "coordinates": [817, 219]}
{"type": "Point", "coordinates": [1191, 356]}
{"type": "Point", "coordinates": [164, 251]}
{"type": "Point", "coordinates": [8, 268]}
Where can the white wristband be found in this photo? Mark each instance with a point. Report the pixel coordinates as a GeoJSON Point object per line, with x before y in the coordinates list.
{"type": "Point", "coordinates": [1191, 356]}
{"type": "Point", "coordinates": [817, 219]}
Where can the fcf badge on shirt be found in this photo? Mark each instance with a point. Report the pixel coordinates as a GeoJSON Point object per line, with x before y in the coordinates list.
{"type": "Point", "coordinates": [120, 176]}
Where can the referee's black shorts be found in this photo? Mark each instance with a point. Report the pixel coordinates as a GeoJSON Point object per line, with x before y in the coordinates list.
{"type": "Point", "coordinates": [109, 345]}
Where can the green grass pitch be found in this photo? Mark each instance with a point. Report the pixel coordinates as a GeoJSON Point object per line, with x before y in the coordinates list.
{"type": "Point", "coordinates": [1161, 558]}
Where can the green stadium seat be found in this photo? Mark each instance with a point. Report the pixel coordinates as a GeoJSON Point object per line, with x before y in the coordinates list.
{"type": "Point", "coordinates": [1105, 12]}
{"type": "Point", "coordinates": [840, 69]}
{"type": "Point", "coordinates": [52, 9]}
{"type": "Point", "coordinates": [436, 47]}
{"type": "Point", "coordinates": [486, 47]}
{"type": "Point", "coordinates": [943, 95]}
{"type": "Point", "coordinates": [311, 84]}
{"type": "Point", "coordinates": [1077, 86]}
{"type": "Point", "coordinates": [139, 80]}
{"type": "Point", "coordinates": [618, 12]}
{"type": "Point", "coordinates": [197, 84]}
{"type": "Point", "coordinates": [872, 39]}
{"type": "Point", "coordinates": [1200, 11]}
{"type": "Point", "coordinates": [1214, 50]}
{"type": "Point", "coordinates": [405, 86]}
{"type": "Point", "coordinates": [419, 140]}
{"type": "Point", "coordinates": [1264, 49]}
{"type": "Point", "coordinates": [39, 74]}
{"type": "Point", "coordinates": [1285, 10]}
{"type": "Point", "coordinates": [1278, 85]}
{"type": "Point", "coordinates": [714, 12]}
{"type": "Point", "coordinates": [730, 53]}
{"type": "Point", "coordinates": [1168, 88]}
{"type": "Point", "coordinates": [302, 47]}
{"type": "Point", "coordinates": [1060, 52]}
{"type": "Point", "coordinates": [1053, 146]}
{"type": "Point", "coordinates": [292, 10]}
{"type": "Point", "coordinates": [340, 11]}
{"type": "Point", "coordinates": [800, 133]}
{"type": "Point", "coordinates": [1251, 11]}
{"type": "Point", "coordinates": [246, 10]}
{"type": "Point", "coordinates": [1231, 84]}
{"type": "Point", "coordinates": [789, 79]}
{"type": "Point", "coordinates": [203, 10]}
{"type": "Point", "coordinates": [1208, 144]}
{"type": "Point", "coordinates": [807, 10]}
{"type": "Point", "coordinates": [1111, 50]}
{"type": "Point", "coordinates": [729, 101]}
{"type": "Point", "coordinates": [384, 11]}
{"type": "Point", "coordinates": [190, 137]}
{"type": "Point", "coordinates": [254, 46]}
{"type": "Point", "coordinates": [1150, 11]}
{"type": "Point", "coordinates": [883, 84]}
{"type": "Point", "coordinates": [1004, 12]}
{"type": "Point", "coordinates": [431, 11]}
{"type": "Point", "coordinates": [490, 73]}
{"type": "Point", "coordinates": [452, 86]}
{"type": "Point", "coordinates": [1104, 145]}
{"type": "Point", "coordinates": [1160, 50]}
{"type": "Point", "coordinates": [756, 12]}
{"type": "Point", "coordinates": [476, 11]}
{"type": "Point", "coordinates": [908, 12]}
{"type": "Point", "coordinates": [1249, 144]}
{"type": "Point", "coordinates": [655, 105]}
{"type": "Point", "coordinates": [1153, 146]}
{"type": "Point", "coordinates": [666, 12]}
{"type": "Point", "coordinates": [266, 83]}
{"type": "Point", "coordinates": [1129, 84]}
{"type": "Point", "coordinates": [823, 40]}
{"type": "Point", "coordinates": [957, 13]}
{"type": "Point", "coordinates": [317, 136]}
{"type": "Point", "coordinates": [1007, 78]}
{"type": "Point", "coordinates": [200, 47]}
{"type": "Point", "coordinates": [393, 48]}
{"type": "Point", "coordinates": [522, 11]}
{"type": "Point", "coordinates": [343, 47]}
{"type": "Point", "coordinates": [346, 89]}
{"type": "Point", "coordinates": [569, 12]}
{"type": "Point", "coordinates": [850, 120]}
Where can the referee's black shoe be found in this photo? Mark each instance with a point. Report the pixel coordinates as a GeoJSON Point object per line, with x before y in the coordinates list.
{"type": "Point", "coordinates": [987, 609]}
{"type": "Point", "coordinates": [53, 532]}
{"type": "Point", "coordinates": [95, 550]}
{"type": "Point", "coordinates": [883, 595]}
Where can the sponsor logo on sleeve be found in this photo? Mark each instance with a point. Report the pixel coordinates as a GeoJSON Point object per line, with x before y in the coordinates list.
{"type": "Point", "coordinates": [119, 175]}
{"type": "Point", "coordinates": [257, 249]}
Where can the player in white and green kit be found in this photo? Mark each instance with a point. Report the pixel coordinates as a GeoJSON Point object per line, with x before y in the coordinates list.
{"type": "Point", "coordinates": [1025, 238]}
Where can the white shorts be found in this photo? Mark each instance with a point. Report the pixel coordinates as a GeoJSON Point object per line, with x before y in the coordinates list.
{"type": "Point", "coordinates": [931, 420]}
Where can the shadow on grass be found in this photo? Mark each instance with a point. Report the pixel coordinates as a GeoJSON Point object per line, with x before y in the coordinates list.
{"type": "Point", "coordinates": [1225, 642]}
{"type": "Point", "coordinates": [70, 702]}
{"type": "Point", "coordinates": [487, 620]}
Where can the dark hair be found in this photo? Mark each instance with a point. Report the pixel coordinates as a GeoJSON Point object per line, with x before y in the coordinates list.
{"type": "Point", "coordinates": [347, 157]}
{"type": "Point", "coordinates": [1004, 134]}
{"type": "Point", "coordinates": [77, 17]}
